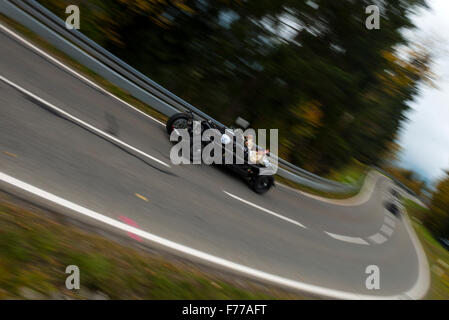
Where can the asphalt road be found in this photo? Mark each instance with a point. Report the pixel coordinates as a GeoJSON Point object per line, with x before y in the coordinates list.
{"type": "Point", "coordinates": [187, 204]}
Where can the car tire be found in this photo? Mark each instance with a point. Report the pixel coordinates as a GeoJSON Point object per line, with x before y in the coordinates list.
{"type": "Point", "coordinates": [262, 184]}
{"type": "Point", "coordinates": [172, 120]}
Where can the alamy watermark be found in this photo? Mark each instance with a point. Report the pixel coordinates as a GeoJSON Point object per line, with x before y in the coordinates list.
{"type": "Point", "coordinates": [72, 282]}
{"type": "Point", "coordinates": [372, 22]}
{"type": "Point", "coordinates": [372, 282]}
{"type": "Point", "coordinates": [229, 147]}
{"type": "Point", "coordinates": [73, 20]}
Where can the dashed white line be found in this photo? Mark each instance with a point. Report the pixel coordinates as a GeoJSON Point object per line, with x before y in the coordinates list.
{"type": "Point", "coordinates": [266, 210]}
{"type": "Point", "coordinates": [378, 238]}
{"type": "Point", "coordinates": [354, 240]}
{"type": "Point", "coordinates": [387, 230]}
{"type": "Point", "coordinates": [83, 123]}
{"type": "Point", "coordinates": [388, 214]}
{"type": "Point", "coordinates": [77, 74]}
{"type": "Point", "coordinates": [388, 220]}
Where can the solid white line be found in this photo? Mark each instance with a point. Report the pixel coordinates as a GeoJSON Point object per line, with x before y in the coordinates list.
{"type": "Point", "coordinates": [387, 230]}
{"type": "Point", "coordinates": [331, 293]}
{"type": "Point", "coordinates": [266, 210]}
{"type": "Point", "coordinates": [422, 284]}
{"type": "Point", "coordinates": [378, 238]}
{"type": "Point", "coordinates": [85, 124]}
{"type": "Point", "coordinates": [72, 71]}
{"type": "Point", "coordinates": [348, 239]}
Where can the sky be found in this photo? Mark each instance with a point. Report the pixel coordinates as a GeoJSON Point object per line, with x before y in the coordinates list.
{"type": "Point", "coordinates": [425, 137]}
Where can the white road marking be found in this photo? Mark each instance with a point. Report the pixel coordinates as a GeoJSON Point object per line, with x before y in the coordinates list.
{"type": "Point", "coordinates": [378, 238]}
{"type": "Point", "coordinates": [72, 71]}
{"type": "Point", "coordinates": [355, 240]}
{"type": "Point", "coordinates": [388, 214]}
{"type": "Point", "coordinates": [388, 220]}
{"type": "Point", "coordinates": [422, 283]}
{"type": "Point", "coordinates": [83, 123]}
{"type": "Point", "coordinates": [387, 230]}
{"type": "Point", "coordinates": [266, 210]}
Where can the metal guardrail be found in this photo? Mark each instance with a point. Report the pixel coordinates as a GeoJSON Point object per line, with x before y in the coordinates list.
{"type": "Point", "coordinates": [399, 183]}
{"type": "Point", "coordinates": [82, 49]}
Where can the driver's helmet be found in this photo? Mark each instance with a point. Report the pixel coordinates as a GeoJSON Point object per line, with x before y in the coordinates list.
{"type": "Point", "coordinates": [225, 139]}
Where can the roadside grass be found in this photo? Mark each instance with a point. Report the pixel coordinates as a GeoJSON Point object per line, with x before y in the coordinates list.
{"type": "Point", "coordinates": [312, 191]}
{"type": "Point", "coordinates": [35, 251]}
{"type": "Point", "coordinates": [91, 75]}
{"type": "Point", "coordinates": [437, 255]}
{"type": "Point", "coordinates": [415, 210]}
{"type": "Point", "coordinates": [354, 173]}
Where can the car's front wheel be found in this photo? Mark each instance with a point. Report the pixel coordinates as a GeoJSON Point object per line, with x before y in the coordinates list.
{"type": "Point", "coordinates": [177, 121]}
{"type": "Point", "coordinates": [262, 184]}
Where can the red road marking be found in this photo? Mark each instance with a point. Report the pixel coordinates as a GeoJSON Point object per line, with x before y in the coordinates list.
{"type": "Point", "coordinates": [132, 223]}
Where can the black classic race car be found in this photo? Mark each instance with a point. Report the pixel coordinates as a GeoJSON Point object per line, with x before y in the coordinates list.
{"type": "Point", "coordinates": [255, 166]}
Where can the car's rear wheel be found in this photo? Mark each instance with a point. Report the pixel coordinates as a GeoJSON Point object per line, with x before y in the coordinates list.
{"type": "Point", "coordinates": [177, 121]}
{"type": "Point", "coordinates": [262, 184]}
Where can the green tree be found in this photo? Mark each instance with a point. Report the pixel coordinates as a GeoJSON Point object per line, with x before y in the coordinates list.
{"type": "Point", "coordinates": [438, 220]}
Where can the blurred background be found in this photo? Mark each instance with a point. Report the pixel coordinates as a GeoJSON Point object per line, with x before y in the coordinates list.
{"type": "Point", "coordinates": [341, 95]}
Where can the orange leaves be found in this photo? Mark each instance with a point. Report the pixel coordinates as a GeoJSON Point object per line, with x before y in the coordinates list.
{"type": "Point", "coordinates": [404, 72]}
{"type": "Point", "coordinates": [180, 4]}
{"type": "Point", "coordinates": [310, 112]}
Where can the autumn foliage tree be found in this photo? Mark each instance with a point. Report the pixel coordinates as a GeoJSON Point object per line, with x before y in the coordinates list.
{"type": "Point", "coordinates": [408, 178]}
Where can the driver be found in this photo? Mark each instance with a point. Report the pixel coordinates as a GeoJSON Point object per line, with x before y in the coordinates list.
{"type": "Point", "coordinates": [254, 155]}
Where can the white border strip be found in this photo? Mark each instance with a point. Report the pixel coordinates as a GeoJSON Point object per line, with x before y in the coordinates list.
{"type": "Point", "coordinates": [378, 238]}
{"type": "Point", "coordinates": [83, 123]}
{"type": "Point", "coordinates": [422, 284]}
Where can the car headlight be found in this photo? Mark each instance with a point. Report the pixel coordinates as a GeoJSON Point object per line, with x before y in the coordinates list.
{"type": "Point", "coordinates": [266, 162]}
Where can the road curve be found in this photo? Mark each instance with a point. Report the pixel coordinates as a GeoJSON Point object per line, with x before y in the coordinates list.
{"type": "Point", "coordinates": [66, 139]}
